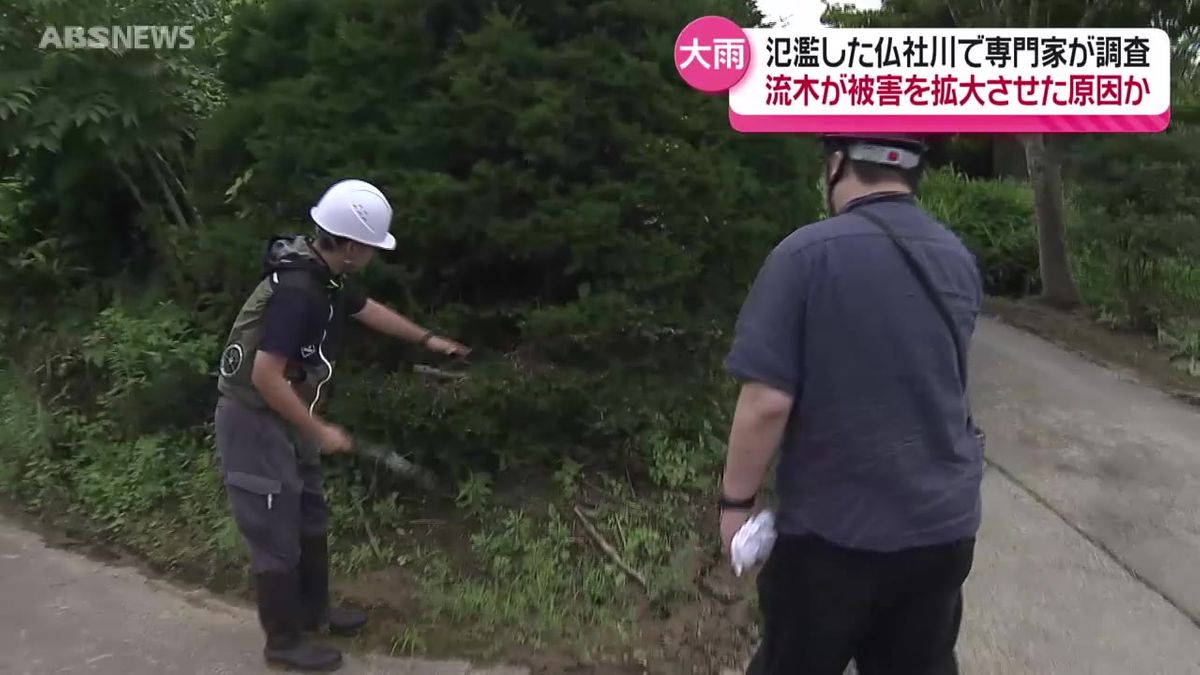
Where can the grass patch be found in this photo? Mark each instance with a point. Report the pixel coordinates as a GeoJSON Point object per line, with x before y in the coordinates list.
{"type": "Point", "coordinates": [509, 568]}
{"type": "Point", "coordinates": [533, 577]}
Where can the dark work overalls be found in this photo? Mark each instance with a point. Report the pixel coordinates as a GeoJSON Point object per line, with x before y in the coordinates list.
{"type": "Point", "coordinates": [271, 472]}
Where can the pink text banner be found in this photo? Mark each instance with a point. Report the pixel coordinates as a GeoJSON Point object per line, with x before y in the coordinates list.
{"type": "Point", "coordinates": [968, 80]}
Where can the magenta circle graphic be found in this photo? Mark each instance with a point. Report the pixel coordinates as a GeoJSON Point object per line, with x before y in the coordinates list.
{"type": "Point", "coordinates": [712, 54]}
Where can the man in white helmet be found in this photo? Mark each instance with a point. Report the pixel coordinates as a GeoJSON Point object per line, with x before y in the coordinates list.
{"type": "Point", "coordinates": [274, 376]}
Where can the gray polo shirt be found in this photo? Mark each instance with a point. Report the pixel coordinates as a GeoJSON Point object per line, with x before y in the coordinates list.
{"type": "Point", "coordinates": [878, 453]}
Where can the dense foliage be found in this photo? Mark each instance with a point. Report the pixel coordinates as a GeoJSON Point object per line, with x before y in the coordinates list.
{"type": "Point", "coordinates": [1139, 224]}
{"type": "Point", "coordinates": [994, 219]}
{"type": "Point", "coordinates": [564, 204]}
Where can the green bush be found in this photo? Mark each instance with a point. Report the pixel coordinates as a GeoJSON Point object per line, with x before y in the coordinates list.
{"type": "Point", "coordinates": [605, 248]}
{"type": "Point", "coordinates": [512, 193]}
{"type": "Point", "coordinates": [105, 425]}
{"type": "Point", "coordinates": [1126, 283]}
{"type": "Point", "coordinates": [590, 241]}
{"type": "Point", "coordinates": [1138, 237]}
{"type": "Point", "coordinates": [509, 413]}
{"type": "Point", "coordinates": [24, 428]}
{"type": "Point", "coordinates": [141, 368]}
{"type": "Point", "coordinates": [995, 220]}
{"type": "Point", "coordinates": [679, 462]}
{"type": "Point", "coordinates": [99, 139]}
{"type": "Point", "coordinates": [127, 491]}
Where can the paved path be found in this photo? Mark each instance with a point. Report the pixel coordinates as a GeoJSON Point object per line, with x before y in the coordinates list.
{"type": "Point", "coordinates": [1088, 563]}
{"type": "Point", "coordinates": [1089, 558]}
{"type": "Point", "coordinates": [63, 613]}
{"type": "Point", "coordinates": [1118, 460]}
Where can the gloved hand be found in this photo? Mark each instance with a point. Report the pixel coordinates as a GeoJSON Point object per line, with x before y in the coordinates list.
{"type": "Point", "coordinates": [752, 544]}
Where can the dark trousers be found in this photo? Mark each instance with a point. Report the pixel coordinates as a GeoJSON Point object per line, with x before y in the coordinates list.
{"type": "Point", "coordinates": [892, 613]}
{"type": "Point", "coordinates": [276, 499]}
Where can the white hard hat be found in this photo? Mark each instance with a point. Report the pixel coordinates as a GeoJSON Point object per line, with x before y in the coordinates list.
{"type": "Point", "coordinates": [358, 211]}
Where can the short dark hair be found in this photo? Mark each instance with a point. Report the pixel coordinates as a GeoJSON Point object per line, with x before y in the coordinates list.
{"type": "Point", "coordinates": [873, 174]}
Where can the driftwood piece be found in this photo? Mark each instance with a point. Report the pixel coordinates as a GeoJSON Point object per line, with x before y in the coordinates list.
{"type": "Point", "coordinates": [438, 373]}
{"type": "Point", "coordinates": [608, 549]}
{"type": "Point", "coordinates": [398, 464]}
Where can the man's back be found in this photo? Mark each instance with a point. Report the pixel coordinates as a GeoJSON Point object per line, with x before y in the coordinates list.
{"type": "Point", "coordinates": [879, 453]}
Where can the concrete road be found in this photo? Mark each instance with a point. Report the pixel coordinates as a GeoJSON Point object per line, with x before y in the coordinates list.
{"type": "Point", "coordinates": [1089, 557]}
{"type": "Point", "coordinates": [1042, 600]}
{"type": "Point", "coordinates": [1088, 562]}
{"type": "Point", "coordinates": [63, 613]}
{"type": "Point", "coordinates": [1119, 461]}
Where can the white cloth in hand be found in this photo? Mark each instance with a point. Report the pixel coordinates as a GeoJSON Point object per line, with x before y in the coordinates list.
{"type": "Point", "coordinates": [752, 544]}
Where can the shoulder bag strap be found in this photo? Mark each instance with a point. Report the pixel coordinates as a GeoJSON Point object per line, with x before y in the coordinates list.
{"type": "Point", "coordinates": [930, 290]}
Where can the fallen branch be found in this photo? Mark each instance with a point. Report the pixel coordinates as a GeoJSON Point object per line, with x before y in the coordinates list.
{"type": "Point", "coordinates": [438, 373]}
{"type": "Point", "coordinates": [173, 203]}
{"type": "Point", "coordinates": [183, 191]}
{"type": "Point", "coordinates": [132, 187]}
{"type": "Point", "coordinates": [609, 550]}
{"type": "Point", "coordinates": [398, 464]}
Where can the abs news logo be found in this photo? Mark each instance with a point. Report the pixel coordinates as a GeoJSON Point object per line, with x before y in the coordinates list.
{"type": "Point", "coordinates": [117, 37]}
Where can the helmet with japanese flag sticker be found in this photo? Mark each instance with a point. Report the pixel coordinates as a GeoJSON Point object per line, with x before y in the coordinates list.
{"type": "Point", "coordinates": [900, 151]}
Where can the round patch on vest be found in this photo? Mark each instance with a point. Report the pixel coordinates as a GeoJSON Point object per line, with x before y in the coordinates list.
{"type": "Point", "coordinates": [231, 359]}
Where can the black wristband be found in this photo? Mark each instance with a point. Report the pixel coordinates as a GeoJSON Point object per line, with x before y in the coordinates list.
{"type": "Point", "coordinates": [429, 335]}
{"type": "Point", "coordinates": [728, 504]}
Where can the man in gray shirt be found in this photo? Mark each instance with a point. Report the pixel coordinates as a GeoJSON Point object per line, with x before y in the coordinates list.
{"type": "Point", "coordinates": [851, 372]}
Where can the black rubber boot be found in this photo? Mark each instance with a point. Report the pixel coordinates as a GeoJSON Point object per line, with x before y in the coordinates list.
{"type": "Point", "coordinates": [314, 589]}
{"type": "Point", "coordinates": [279, 611]}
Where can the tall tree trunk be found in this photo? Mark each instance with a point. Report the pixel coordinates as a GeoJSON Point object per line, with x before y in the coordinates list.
{"type": "Point", "coordinates": [1045, 175]}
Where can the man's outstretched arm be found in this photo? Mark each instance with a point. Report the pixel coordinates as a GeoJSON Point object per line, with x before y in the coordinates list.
{"type": "Point", "coordinates": [383, 319]}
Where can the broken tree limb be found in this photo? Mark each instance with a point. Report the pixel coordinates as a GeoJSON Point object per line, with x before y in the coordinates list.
{"type": "Point", "coordinates": [609, 550]}
{"type": "Point", "coordinates": [155, 169]}
{"type": "Point", "coordinates": [438, 373]}
{"type": "Point", "coordinates": [131, 186]}
{"type": "Point", "coordinates": [197, 219]}
{"type": "Point", "coordinates": [397, 464]}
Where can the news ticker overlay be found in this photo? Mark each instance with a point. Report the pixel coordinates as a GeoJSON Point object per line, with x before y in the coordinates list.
{"type": "Point", "coordinates": [960, 80]}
